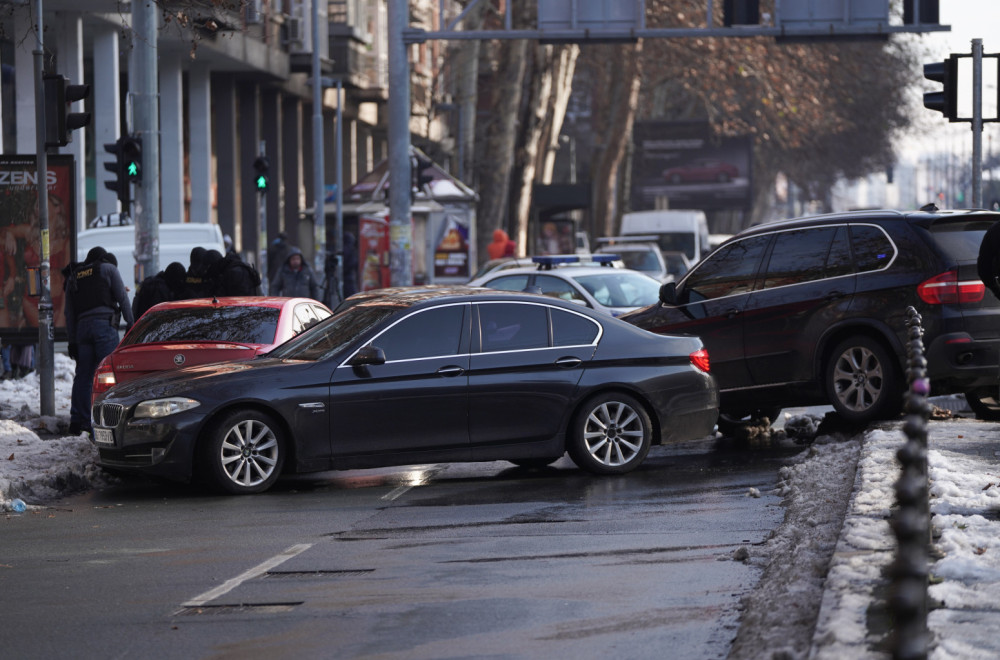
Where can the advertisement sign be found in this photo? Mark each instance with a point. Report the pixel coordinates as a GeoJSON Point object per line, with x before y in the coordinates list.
{"type": "Point", "coordinates": [21, 241]}
{"type": "Point", "coordinates": [451, 256]}
{"type": "Point", "coordinates": [680, 165]}
{"type": "Point", "coordinates": [373, 252]}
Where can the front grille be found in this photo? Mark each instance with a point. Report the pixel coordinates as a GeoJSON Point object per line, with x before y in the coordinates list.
{"type": "Point", "coordinates": [107, 414]}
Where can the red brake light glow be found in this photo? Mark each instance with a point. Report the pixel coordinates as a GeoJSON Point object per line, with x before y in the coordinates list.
{"type": "Point", "coordinates": [945, 289]}
{"type": "Point", "coordinates": [700, 359]}
{"type": "Point", "coordinates": [104, 379]}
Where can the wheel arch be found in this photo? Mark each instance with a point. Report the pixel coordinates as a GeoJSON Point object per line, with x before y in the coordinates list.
{"type": "Point", "coordinates": [657, 432]}
{"type": "Point", "coordinates": [879, 333]}
{"type": "Point", "coordinates": [213, 420]}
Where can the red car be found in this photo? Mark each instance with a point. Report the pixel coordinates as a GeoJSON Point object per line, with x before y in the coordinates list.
{"type": "Point", "coordinates": [189, 332]}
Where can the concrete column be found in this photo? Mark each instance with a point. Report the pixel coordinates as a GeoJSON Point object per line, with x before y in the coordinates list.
{"type": "Point", "coordinates": [69, 63]}
{"type": "Point", "coordinates": [293, 191]}
{"type": "Point", "coordinates": [24, 79]}
{"type": "Point", "coordinates": [105, 94]}
{"type": "Point", "coordinates": [200, 148]}
{"type": "Point", "coordinates": [227, 171]}
{"type": "Point", "coordinates": [171, 139]}
{"type": "Point", "coordinates": [248, 108]}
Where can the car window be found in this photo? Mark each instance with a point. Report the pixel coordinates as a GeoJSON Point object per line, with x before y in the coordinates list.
{"type": "Point", "coordinates": [570, 329]}
{"type": "Point", "coordinates": [799, 256]}
{"type": "Point", "coordinates": [960, 240]}
{"type": "Point", "coordinates": [303, 317]}
{"type": "Point", "coordinates": [839, 261]}
{"type": "Point", "coordinates": [336, 333]}
{"type": "Point", "coordinates": [729, 271]}
{"type": "Point", "coordinates": [621, 288]}
{"type": "Point", "coordinates": [513, 326]}
{"type": "Point", "coordinates": [509, 283]}
{"type": "Point", "coordinates": [872, 248]}
{"type": "Point", "coordinates": [558, 288]}
{"type": "Point", "coordinates": [237, 324]}
{"type": "Point", "coordinates": [426, 333]}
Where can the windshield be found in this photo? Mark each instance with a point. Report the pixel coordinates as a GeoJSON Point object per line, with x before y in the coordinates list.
{"type": "Point", "coordinates": [677, 242]}
{"type": "Point", "coordinates": [336, 333]}
{"type": "Point", "coordinates": [644, 260]}
{"type": "Point", "coordinates": [239, 325]}
{"type": "Point", "coordinates": [621, 288]}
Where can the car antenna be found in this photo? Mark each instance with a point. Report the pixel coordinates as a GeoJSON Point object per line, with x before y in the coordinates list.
{"type": "Point", "coordinates": [929, 208]}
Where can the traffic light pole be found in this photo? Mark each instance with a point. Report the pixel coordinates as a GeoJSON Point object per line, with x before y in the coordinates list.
{"type": "Point", "coordinates": [977, 123]}
{"type": "Point", "coordinates": [46, 345]}
{"type": "Point", "coordinates": [145, 86]}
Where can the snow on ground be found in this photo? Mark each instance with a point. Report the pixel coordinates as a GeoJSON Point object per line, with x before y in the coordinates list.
{"type": "Point", "coordinates": [823, 569]}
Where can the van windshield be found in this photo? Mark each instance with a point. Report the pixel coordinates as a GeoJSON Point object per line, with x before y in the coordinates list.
{"type": "Point", "coordinates": [680, 241]}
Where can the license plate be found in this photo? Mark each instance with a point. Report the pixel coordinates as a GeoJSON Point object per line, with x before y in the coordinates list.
{"type": "Point", "coordinates": [104, 436]}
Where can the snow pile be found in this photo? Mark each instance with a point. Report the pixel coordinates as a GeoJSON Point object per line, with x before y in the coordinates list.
{"type": "Point", "coordinates": [779, 615]}
{"type": "Point", "coordinates": [40, 469]}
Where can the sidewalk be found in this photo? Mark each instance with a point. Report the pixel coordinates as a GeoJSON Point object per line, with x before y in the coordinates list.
{"type": "Point", "coordinates": [964, 469]}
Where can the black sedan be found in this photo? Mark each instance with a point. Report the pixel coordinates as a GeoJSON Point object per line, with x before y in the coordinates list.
{"type": "Point", "coordinates": [417, 377]}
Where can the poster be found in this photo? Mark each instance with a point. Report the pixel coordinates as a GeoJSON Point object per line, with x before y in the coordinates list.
{"type": "Point", "coordinates": [451, 256]}
{"type": "Point", "coordinates": [21, 241]}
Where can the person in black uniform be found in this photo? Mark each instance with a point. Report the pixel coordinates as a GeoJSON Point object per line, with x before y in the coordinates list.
{"type": "Point", "coordinates": [94, 295]}
{"type": "Point", "coordinates": [164, 286]}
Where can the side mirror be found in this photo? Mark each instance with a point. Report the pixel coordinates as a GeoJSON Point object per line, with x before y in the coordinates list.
{"type": "Point", "coordinates": [668, 293]}
{"type": "Point", "coordinates": [369, 355]}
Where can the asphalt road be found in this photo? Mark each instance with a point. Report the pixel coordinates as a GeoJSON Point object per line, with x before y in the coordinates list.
{"type": "Point", "coordinates": [419, 562]}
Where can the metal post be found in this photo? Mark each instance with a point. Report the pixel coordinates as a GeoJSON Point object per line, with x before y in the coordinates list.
{"type": "Point", "coordinates": [262, 214]}
{"type": "Point", "coordinates": [400, 224]}
{"type": "Point", "coordinates": [319, 174]}
{"type": "Point", "coordinates": [46, 375]}
{"type": "Point", "coordinates": [338, 233]}
{"type": "Point", "coordinates": [144, 84]}
{"type": "Point", "coordinates": [977, 123]}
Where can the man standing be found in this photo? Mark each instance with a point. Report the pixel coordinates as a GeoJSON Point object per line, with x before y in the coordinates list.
{"type": "Point", "coordinates": [295, 278]}
{"type": "Point", "coordinates": [94, 294]}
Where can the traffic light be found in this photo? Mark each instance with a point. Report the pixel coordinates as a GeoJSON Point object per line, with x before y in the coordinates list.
{"type": "Point", "coordinates": [945, 101]}
{"type": "Point", "coordinates": [131, 156]}
{"type": "Point", "coordinates": [260, 179]}
{"type": "Point", "coordinates": [740, 12]}
{"type": "Point", "coordinates": [120, 182]}
{"type": "Point", "coordinates": [58, 97]}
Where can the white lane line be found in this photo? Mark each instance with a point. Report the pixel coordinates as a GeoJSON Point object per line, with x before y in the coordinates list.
{"type": "Point", "coordinates": [260, 569]}
{"type": "Point", "coordinates": [396, 492]}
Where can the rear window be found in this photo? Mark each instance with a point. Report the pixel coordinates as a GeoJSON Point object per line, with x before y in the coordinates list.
{"type": "Point", "coordinates": [960, 240]}
{"type": "Point", "coordinates": [247, 325]}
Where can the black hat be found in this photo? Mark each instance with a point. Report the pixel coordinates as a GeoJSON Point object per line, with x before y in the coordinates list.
{"type": "Point", "coordinates": [96, 253]}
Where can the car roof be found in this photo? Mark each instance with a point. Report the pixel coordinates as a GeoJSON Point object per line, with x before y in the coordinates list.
{"type": "Point", "coordinates": [921, 217]}
{"type": "Point", "coordinates": [462, 293]}
{"type": "Point", "coordinates": [572, 271]}
{"type": "Point", "coordinates": [276, 302]}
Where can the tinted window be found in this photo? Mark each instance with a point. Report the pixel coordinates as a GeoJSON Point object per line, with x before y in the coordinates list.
{"type": "Point", "coordinates": [839, 262]}
{"type": "Point", "coordinates": [571, 329]}
{"type": "Point", "coordinates": [872, 249]}
{"type": "Point", "coordinates": [729, 271]}
{"type": "Point", "coordinates": [799, 256]}
{"type": "Point", "coordinates": [557, 288]}
{"type": "Point", "coordinates": [960, 240]}
{"type": "Point", "coordinates": [336, 333]}
{"type": "Point", "coordinates": [513, 326]}
{"type": "Point", "coordinates": [509, 283]}
{"type": "Point", "coordinates": [428, 333]}
{"type": "Point", "coordinates": [251, 325]}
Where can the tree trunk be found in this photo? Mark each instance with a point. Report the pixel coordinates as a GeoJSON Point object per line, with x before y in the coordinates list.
{"type": "Point", "coordinates": [467, 68]}
{"type": "Point", "coordinates": [621, 76]}
{"type": "Point", "coordinates": [562, 88]}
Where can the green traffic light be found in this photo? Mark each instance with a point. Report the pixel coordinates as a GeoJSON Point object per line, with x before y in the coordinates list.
{"type": "Point", "coordinates": [261, 183]}
{"type": "Point", "coordinates": [133, 169]}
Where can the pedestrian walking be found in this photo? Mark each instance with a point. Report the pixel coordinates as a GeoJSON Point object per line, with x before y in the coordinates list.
{"type": "Point", "coordinates": [166, 285]}
{"type": "Point", "coordinates": [94, 293]}
{"type": "Point", "coordinates": [295, 278]}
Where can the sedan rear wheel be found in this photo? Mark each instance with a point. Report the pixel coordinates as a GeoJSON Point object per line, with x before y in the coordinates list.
{"type": "Point", "coordinates": [861, 381]}
{"type": "Point", "coordinates": [610, 434]}
{"type": "Point", "coordinates": [244, 452]}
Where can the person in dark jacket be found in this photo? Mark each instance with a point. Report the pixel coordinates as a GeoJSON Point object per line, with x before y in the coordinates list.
{"type": "Point", "coordinates": [164, 286]}
{"type": "Point", "coordinates": [350, 264]}
{"type": "Point", "coordinates": [94, 293]}
{"type": "Point", "coordinates": [231, 276]}
{"type": "Point", "coordinates": [295, 278]}
{"type": "Point", "coordinates": [194, 286]}
{"type": "Point", "coordinates": [277, 255]}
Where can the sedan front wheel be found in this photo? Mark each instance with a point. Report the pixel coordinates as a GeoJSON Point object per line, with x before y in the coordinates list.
{"type": "Point", "coordinates": [610, 434]}
{"type": "Point", "coordinates": [244, 453]}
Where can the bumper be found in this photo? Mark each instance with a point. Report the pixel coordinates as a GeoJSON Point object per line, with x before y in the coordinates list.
{"type": "Point", "coordinates": [957, 362]}
{"type": "Point", "coordinates": [161, 448]}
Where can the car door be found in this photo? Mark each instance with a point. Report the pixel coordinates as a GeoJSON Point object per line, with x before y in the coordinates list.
{"type": "Point", "coordinates": [526, 363]}
{"type": "Point", "coordinates": [710, 304]}
{"type": "Point", "coordinates": [418, 399]}
{"type": "Point", "coordinates": [805, 288]}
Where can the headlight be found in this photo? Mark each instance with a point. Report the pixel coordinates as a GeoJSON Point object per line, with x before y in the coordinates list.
{"type": "Point", "coordinates": [162, 407]}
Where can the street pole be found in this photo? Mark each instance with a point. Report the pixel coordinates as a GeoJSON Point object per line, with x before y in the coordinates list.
{"type": "Point", "coordinates": [319, 174]}
{"type": "Point", "coordinates": [262, 213]}
{"type": "Point", "coordinates": [977, 123]}
{"type": "Point", "coordinates": [144, 84]}
{"type": "Point", "coordinates": [400, 225]}
{"type": "Point", "coordinates": [338, 233]}
{"type": "Point", "coordinates": [46, 367]}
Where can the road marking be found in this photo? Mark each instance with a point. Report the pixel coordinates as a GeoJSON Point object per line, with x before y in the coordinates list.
{"type": "Point", "coordinates": [396, 492]}
{"type": "Point", "coordinates": [257, 570]}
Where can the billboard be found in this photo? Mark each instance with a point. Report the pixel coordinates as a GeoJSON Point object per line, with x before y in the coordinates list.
{"type": "Point", "coordinates": [681, 165]}
{"type": "Point", "coordinates": [20, 241]}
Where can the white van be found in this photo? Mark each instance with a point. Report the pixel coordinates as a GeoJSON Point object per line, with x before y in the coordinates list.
{"type": "Point", "coordinates": [675, 230]}
{"type": "Point", "coordinates": [176, 241]}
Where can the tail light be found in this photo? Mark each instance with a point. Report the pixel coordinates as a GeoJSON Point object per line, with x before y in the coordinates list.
{"type": "Point", "coordinates": [700, 359]}
{"type": "Point", "coordinates": [104, 379]}
{"type": "Point", "coordinates": [945, 289]}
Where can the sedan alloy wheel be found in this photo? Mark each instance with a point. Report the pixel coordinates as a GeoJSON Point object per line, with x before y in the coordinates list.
{"type": "Point", "coordinates": [610, 435]}
{"type": "Point", "coordinates": [245, 452]}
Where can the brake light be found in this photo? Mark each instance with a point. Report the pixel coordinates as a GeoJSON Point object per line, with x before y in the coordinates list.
{"type": "Point", "coordinates": [700, 359]}
{"type": "Point", "coordinates": [104, 379]}
{"type": "Point", "coordinates": [945, 289]}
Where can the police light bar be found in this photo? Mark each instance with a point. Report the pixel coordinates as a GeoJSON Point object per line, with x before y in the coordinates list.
{"type": "Point", "coordinates": [546, 262]}
{"type": "Point", "coordinates": [604, 259]}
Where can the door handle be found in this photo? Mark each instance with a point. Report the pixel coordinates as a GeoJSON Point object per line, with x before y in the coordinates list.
{"type": "Point", "coordinates": [450, 371]}
{"type": "Point", "coordinates": [833, 295]}
{"type": "Point", "coordinates": [730, 313]}
{"type": "Point", "coordinates": [569, 362]}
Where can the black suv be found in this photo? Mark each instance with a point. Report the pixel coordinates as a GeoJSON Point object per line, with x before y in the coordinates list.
{"type": "Point", "coordinates": [813, 310]}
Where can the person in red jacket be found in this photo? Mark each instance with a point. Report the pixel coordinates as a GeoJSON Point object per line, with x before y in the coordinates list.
{"type": "Point", "coordinates": [501, 246]}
